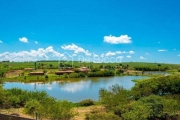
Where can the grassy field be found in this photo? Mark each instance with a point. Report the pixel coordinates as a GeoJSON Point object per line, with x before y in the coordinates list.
{"type": "Point", "coordinates": [55, 64]}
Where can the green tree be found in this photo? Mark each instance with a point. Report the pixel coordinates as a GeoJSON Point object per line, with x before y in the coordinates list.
{"type": "Point", "coordinates": [32, 107]}
{"type": "Point", "coordinates": [150, 107]}
{"type": "Point", "coordinates": [114, 96]}
{"type": "Point", "coordinates": [61, 110]}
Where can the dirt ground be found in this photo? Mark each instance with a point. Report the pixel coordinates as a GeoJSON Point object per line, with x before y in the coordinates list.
{"type": "Point", "coordinates": [13, 73]}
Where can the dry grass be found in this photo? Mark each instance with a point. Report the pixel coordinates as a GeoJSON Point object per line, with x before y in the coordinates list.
{"type": "Point", "coordinates": [81, 112]}
{"type": "Point", "coordinates": [15, 110]}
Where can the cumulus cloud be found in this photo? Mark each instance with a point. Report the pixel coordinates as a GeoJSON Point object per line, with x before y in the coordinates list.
{"type": "Point", "coordinates": [110, 54]}
{"type": "Point", "coordinates": [120, 57]}
{"type": "Point", "coordinates": [118, 52]}
{"type": "Point", "coordinates": [23, 39]}
{"type": "Point", "coordinates": [95, 55]}
{"type": "Point", "coordinates": [128, 56]}
{"type": "Point", "coordinates": [1, 41]}
{"type": "Point", "coordinates": [69, 47]}
{"type": "Point", "coordinates": [76, 49]}
{"type": "Point", "coordinates": [31, 55]}
{"type": "Point", "coordinates": [162, 50]}
{"type": "Point", "coordinates": [131, 52]}
{"type": "Point", "coordinates": [36, 42]}
{"type": "Point", "coordinates": [142, 58]}
{"type": "Point", "coordinates": [117, 40]}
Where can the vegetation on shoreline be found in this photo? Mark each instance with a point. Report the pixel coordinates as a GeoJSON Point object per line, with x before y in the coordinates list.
{"type": "Point", "coordinates": [20, 71]}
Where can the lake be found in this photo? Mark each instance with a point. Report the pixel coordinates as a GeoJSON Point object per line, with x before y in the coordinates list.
{"type": "Point", "coordinates": [78, 89]}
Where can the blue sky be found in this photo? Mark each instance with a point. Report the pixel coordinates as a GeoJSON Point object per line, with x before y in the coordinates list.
{"type": "Point", "coordinates": [132, 30]}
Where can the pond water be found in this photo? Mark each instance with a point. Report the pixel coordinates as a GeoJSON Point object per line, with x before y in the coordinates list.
{"type": "Point", "coordinates": [76, 89]}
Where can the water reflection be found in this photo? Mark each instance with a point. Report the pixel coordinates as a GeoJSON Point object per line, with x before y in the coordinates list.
{"type": "Point", "coordinates": [77, 89]}
{"type": "Point", "coordinates": [73, 87]}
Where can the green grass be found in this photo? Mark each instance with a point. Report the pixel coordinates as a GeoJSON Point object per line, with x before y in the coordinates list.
{"type": "Point", "coordinates": [46, 65]}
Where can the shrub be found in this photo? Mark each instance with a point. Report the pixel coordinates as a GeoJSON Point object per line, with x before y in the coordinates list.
{"type": "Point", "coordinates": [87, 102]}
{"type": "Point", "coordinates": [82, 74]}
{"type": "Point", "coordinates": [74, 75]}
{"type": "Point", "coordinates": [31, 106]}
{"type": "Point", "coordinates": [65, 75]}
{"type": "Point", "coordinates": [120, 71]}
{"type": "Point", "coordinates": [46, 76]}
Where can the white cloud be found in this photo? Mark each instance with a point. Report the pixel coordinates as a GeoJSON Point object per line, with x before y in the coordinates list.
{"type": "Point", "coordinates": [117, 40]}
{"type": "Point", "coordinates": [120, 57]}
{"type": "Point", "coordinates": [131, 52]}
{"type": "Point", "coordinates": [162, 50]}
{"type": "Point", "coordinates": [1, 41]}
{"type": "Point", "coordinates": [36, 42]}
{"type": "Point", "coordinates": [23, 39]}
{"type": "Point", "coordinates": [128, 56]}
{"type": "Point", "coordinates": [110, 54]}
{"type": "Point", "coordinates": [95, 55]}
{"type": "Point", "coordinates": [76, 49]}
{"type": "Point", "coordinates": [118, 52]}
{"type": "Point", "coordinates": [31, 55]}
{"type": "Point", "coordinates": [70, 47]}
{"type": "Point", "coordinates": [142, 58]}
{"type": "Point", "coordinates": [123, 52]}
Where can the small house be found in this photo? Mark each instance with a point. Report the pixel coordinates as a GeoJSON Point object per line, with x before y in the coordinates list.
{"type": "Point", "coordinates": [36, 73]}
{"type": "Point", "coordinates": [62, 72]}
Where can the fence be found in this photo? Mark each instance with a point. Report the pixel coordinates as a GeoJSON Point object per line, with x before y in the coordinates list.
{"type": "Point", "coordinates": [11, 117]}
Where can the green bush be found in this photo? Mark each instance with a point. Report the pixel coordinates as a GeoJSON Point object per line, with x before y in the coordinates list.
{"type": "Point", "coordinates": [74, 75]}
{"type": "Point", "coordinates": [65, 75]}
{"type": "Point", "coordinates": [31, 107]}
{"type": "Point", "coordinates": [87, 102]}
{"type": "Point", "coordinates": [46, 76]}
{"type": "Point", "coordinates": [82, 74]}
{"type": "Point", "coordinates": [120, 71]}
{"type": "Point", "coordinates": [105, 73]}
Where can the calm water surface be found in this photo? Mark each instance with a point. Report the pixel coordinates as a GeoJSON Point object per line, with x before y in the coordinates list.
{"type": "Point", "coordinates": [78, 89]}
